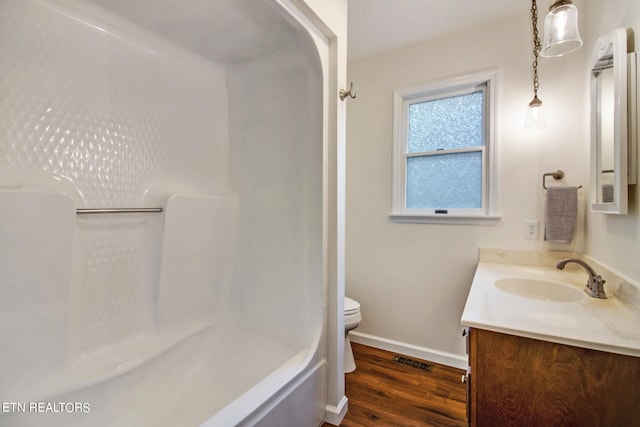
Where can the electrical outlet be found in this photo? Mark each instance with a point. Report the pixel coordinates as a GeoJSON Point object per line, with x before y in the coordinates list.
{"type": "Point", "coordinates": [532, 229]}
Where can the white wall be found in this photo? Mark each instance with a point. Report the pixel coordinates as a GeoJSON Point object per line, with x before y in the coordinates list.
{"type": "Point", "coordinates": [412, 279]}
{"type": "Point", "coordinates": [611, 239]}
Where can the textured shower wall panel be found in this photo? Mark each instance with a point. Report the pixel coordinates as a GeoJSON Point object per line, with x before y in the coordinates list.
{"type": "Point", "coordinates": [112, 118]}
{"type": "Point", "coordinates": [93, 112]}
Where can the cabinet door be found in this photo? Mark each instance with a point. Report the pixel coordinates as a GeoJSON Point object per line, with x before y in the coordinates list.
{"type": "Point", "coordinates": [466, 378]}
{"type": "Point", "coordinates": [525, 382]}
{"type": "Point", "coordinates": [472, 387]}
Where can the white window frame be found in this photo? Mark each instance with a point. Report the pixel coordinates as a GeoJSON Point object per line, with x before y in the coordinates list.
{"type": "Point", "coordinates": [402, 98]}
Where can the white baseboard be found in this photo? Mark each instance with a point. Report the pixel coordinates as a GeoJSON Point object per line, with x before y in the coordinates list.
{"type": "Point", "coordinates": [424, 353]}
{"type": "Point", "coordinates": [334, 415]}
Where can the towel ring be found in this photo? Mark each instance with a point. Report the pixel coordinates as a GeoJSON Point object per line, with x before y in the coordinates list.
{"type": "Point", "coordinates": [559, 174]}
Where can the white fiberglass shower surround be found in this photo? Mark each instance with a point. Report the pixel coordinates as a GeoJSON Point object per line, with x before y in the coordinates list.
{"type": "Point", "coordinates": [209, 308]}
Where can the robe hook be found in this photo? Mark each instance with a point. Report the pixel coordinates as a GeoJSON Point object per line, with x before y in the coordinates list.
{"type": "Point", "coordinates": [345, 93]}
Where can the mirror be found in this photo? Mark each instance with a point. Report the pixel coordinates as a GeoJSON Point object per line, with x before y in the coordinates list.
{"type": "Point", "coordinates": [612, 74]}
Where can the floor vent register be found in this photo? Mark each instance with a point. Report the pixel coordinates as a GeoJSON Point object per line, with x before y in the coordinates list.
{"type": "Point", "coordinates": [413, 363]}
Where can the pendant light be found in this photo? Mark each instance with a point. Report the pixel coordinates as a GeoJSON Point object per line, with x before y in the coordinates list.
{"type": "Point", "coordinates": [535, 110]}
{"type": "Point", "coordinates": [561, 34]}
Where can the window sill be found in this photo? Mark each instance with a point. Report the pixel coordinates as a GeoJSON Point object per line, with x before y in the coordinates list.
{"type": "Point", "coordinates": [491, 219]}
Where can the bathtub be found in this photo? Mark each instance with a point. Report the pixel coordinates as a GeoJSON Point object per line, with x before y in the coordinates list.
{"type": "Point", "coordinates": [161, 214]}
{"type": "Point", "coordinates": [214, 378]}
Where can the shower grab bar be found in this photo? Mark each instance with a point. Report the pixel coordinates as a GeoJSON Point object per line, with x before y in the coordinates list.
{"type": "Point", "coordinates": [116, 210]}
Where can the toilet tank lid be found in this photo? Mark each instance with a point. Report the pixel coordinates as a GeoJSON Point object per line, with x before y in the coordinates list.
{"type": "Point", "coordinates": [351, 306]}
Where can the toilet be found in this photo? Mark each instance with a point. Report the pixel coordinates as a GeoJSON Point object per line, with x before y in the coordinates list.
{"type": "Point", "coordinates": [352, 319]}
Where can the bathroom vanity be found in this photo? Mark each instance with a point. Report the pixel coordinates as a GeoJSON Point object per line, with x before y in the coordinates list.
{"type": "Point", "coordinates": [516, 381]}
{"type": "Point", "coordinates": [543, 352]}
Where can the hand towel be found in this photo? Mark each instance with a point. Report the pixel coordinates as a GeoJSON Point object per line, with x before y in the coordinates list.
{"type": "Point", "coordinates": [560, 214]}
{"type": "Point", "coordinates": [607, 193]}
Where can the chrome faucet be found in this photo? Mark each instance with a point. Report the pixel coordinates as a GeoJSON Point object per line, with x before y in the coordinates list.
{"type": "Point", "coordinates": [595, 282]}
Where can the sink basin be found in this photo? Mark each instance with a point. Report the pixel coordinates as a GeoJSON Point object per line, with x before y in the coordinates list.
{"type": "Point", "coordinates": [541, 290]}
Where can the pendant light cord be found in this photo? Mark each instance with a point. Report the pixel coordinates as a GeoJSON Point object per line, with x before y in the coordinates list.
{"type": "Point", "coordinates": [536, 47]}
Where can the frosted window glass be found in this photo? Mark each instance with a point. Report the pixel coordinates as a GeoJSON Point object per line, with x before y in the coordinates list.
{"type": "Point", "coordinates": [445, 181]}
{"type": "Point", "coordinates": [446, 123]}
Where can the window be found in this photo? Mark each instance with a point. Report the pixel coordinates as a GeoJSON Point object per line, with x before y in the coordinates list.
{"type": "Point", "coordinates": [444, 152]}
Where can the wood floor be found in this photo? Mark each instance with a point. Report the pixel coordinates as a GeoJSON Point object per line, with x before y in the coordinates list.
{"type": "Point", "coordinates": [384, 392]}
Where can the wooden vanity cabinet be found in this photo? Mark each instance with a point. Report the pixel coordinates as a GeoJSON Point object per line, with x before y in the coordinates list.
{"type": "Point", "coordinates": [516, 381]}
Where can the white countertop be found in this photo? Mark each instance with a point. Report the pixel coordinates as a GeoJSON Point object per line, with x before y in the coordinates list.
{"type": "Point", "coordinates": [611, 325]}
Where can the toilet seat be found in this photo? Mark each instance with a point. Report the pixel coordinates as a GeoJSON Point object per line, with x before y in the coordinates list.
{"type": "Point", "coordinates": [352, 318]}
{"type": "Point", "coordinates": [350, 306]}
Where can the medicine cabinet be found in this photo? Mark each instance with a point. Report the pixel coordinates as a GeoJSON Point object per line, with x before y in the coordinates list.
{"type": "Point", "coordinates": [613, 123]}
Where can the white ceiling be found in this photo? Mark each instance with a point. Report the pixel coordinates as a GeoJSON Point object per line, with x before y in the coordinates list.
{"type": "Point", "coordinates": [379, 25]}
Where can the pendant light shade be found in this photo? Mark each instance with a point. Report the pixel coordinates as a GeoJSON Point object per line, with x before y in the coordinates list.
{"type": "Point", "coordinates": [534, 118]}
{"type": "Point", "coordinates": [561, 34]}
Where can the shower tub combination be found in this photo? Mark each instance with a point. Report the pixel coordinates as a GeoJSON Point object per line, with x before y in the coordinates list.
{"type": "Point", "coordinates": [206, 307]}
